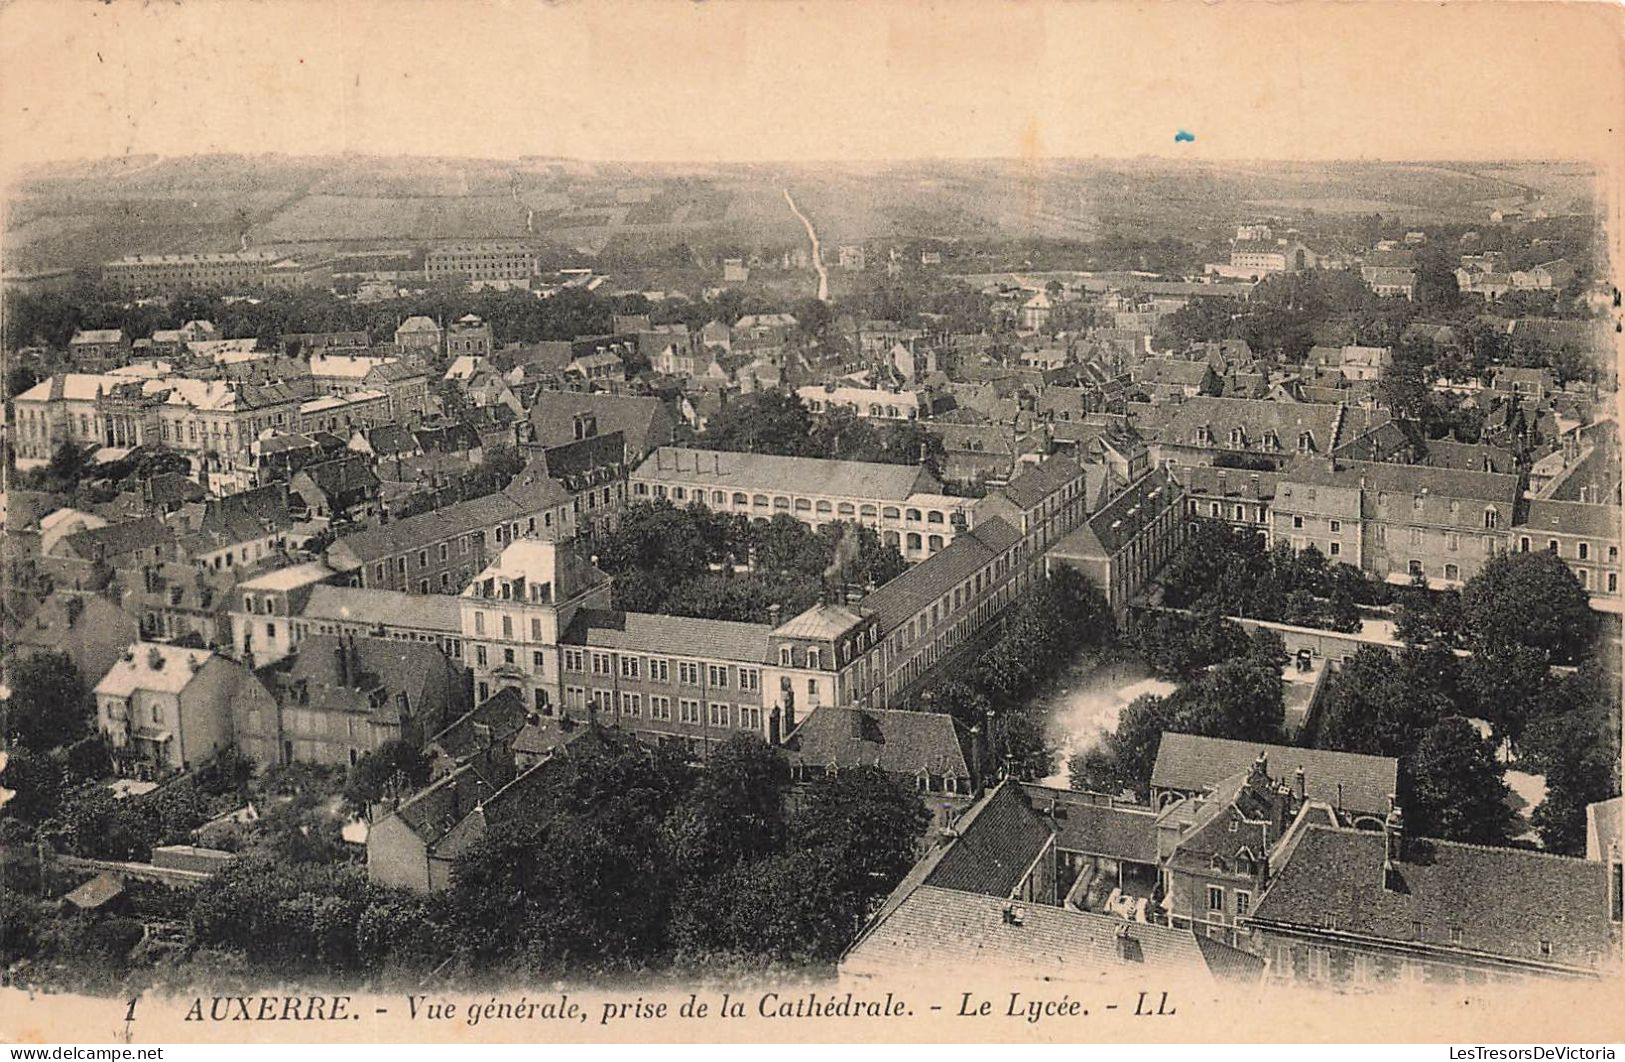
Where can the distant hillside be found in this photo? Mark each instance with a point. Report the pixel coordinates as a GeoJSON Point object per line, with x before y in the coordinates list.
{"type": "Point", "coordinates": [85, 213]}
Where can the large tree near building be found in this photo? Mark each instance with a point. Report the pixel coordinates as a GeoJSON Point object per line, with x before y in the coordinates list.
{"type": "Point", "coordinates": [1457, 787]}
{"type": "Point", "coordinates": [1576, 745]}
{"type": "Point", "coordinates": [736, 810]}
{"type": "Point", "coordinates": [767, 422]}
{"type": "Point", "coordinates": [1529, 599]}
{"type": "Point", "coordinates": [50, 703]}
{"type": "Point", "coordinates": [1372, 709]}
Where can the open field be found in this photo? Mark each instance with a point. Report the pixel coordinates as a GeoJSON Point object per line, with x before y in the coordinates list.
{"type": "Point", "coordinates": [80, 214]}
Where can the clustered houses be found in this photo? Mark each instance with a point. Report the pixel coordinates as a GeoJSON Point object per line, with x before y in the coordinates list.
{"type": "Point", "coordinates": [1279, 863]}
{"type": "Point", "coordinates": [904, 503]}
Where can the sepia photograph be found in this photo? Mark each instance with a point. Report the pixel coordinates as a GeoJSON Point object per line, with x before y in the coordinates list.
{"type": "Point", "coordinates": [956, 522]}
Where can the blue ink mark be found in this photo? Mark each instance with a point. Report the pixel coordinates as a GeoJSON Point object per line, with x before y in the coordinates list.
{"type": "Point", "coordinates": [1183, 137]}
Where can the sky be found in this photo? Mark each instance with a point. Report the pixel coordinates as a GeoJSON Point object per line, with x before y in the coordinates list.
{"type": "Point", "coordinates": [771, 80]}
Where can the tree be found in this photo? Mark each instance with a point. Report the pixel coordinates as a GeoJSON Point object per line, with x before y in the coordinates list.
{"type": "Point", "coordinates": [736, 812]}
{"type": "Point", "coordinates": [1577, 748]}
{"type": "Point", "coordinates": [396, 765]}
{"type": "Point", "coordinates": [1506, 686]}
{"type": "Point", "coordinates": [50, 704]}
{"type": "Point", "coordinates": [766, 422]}
{"type": "Point", "coordinates": [1370, 708]}
{"type": "Point", "coordinates": [1529, 599]}
{"type": "Point", "coordinates": [1457, 787]}
{"type": "Point", "coordinates": [864, 827]}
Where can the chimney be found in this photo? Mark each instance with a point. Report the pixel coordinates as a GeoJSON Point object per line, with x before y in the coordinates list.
{"type": "Point", "coordinates": [1015, 914]}
{"type": "Point", "coordinates": [155, 658]}
{"type": "Point", "coordinates": [1393, 836]}
{"type": "Point", "coordinates": [775, 613]}
{"type": "Point", "coordinates": [1128, 947]}
{"type": "Point", "coordinates": [1299, 785]}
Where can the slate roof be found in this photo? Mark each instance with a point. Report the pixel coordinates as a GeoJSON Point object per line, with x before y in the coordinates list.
{"type": "Point", "coordinates": [387, 540]}
{"type": "Point", "coordinates": [1503, 901]}
{"type": "Point", "coordinates": [1470, 457]}
{"type": "Point", "coordinates": [1254, 416]}
{"type": "Point", "coordinates": [1573, 518]}
{"type": "Point", "coordinates": [116, 540]}
{"type": "Point", "coordinates": [1123, 516]}
{"type": "Point", "coordinates": [936, 928]}
{"type": "Point", "coordinates": [431, 812]}
{"type": "Point", "coordinates": [1085, 822]}
{"type": "Point", "coordinates": [1028, 488]}
{"type": "Point", "coordinates": [898, 601]}
{"type": "Point", "coordinates": [504, 712]}
{"type": "Point", "coordinates": [895, 741]}
{"type": "Point", "coordinates": [1345, 780]}
{"type": "Point", "coordinates": [644, 632]}
{"type": "Point", "coordinates": [824, 621]}
{"type": "Point", "coordinates": [998, 839]}
{"type": "Point", "coordinates": [644, 423]}
{"type": "Point", "coordinates": [787, 475]}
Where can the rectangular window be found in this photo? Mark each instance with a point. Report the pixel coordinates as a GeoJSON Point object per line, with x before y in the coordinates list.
{"type": "Point", "coordinates": [717, 675]}
{"type": "Point", "coordinates": [1244, 902]}
{"type": "Point", "coordinates": [1297, 523]}
{"type": "Point", "coordinates": [479, 623]}
{"type": "Point", "coordinates": [600, 664]}
{"type": "Point", "coordinates": [1337, 527]}
{"type": "Point", "coordinates": [659, 669]}
{"type": "Point", "coordinates": [631, 667]}
{"type": "Point", "coordinates": [479, 655]}
{"type": "Point", "coordinates": [688, 710]}
{"type": "Point", "coordinates": [507, 656]}
{"type": "Point", "coordinates": [574, 660]}
{"type": "Point", "coordinates": [507, 626]}
{"type": "Point", "coordinates": [1215, 898]}
{"type": "Point", "coordinates": [536, 661]}
{"type": "Point", "coordinates": [660, 708]}
{"type": "Point", "coordinates": [535, 628]}
{"type": "Point", "coordinates": [1336, 548]}
{"type": "Point", "coordinates": [632, 704]}
{"type": "Point", "coordinates": [688, 673]}
{"type": "Point", "coordinates": [750, 679]}
{"type": "Point", "coordinates": [750, 717]}
{"type": "Point", "coordinates": [1452, 541]}
{"type": "Point", "coordinates": [1416, 536]}
{"type": "Point", "coordinates": [719, 714]}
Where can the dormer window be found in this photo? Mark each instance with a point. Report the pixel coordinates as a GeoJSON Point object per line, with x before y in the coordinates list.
{"type": "Point", "coordinates": [1237, 439]}
{"type": "Point", "coordinates": [1492, 518]}
{"type": "Point", "coordinates": [1204, 436]}
{"type": "Point", "coordinates": [1272, 441]}
{"type": "Point", "coordinates": [1306, 442]}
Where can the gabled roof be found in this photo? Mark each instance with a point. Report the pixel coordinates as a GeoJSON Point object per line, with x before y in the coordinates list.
{"type": "Point", "coordinates": [1093, 825]}
{"type": "Point", "coordinates": [1501, 902]}
{"type": "Point", "coordinates": [1254, 417]}
{"type": "Point", "coordinates": [898, 601]}
{"type": "Point", "coordinates": [1346, 780]}
{"type": "Point", "coordinates": [998, 841]}
{"type": "Point", "coordinates": [116, 540]}
{"type": "Point", "coordinates": [898, 742]}
{"type": "Point", "coordinates": [502, 716]}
